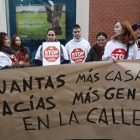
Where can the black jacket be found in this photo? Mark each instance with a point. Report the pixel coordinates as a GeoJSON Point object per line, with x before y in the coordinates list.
{"type": "Point", "coordinates": [93, 54]}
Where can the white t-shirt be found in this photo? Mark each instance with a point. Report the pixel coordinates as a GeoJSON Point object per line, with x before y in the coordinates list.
{"type": "Point", "coordinates": [77, 51]}
{"type": "Point", "coordinates": [118, 50]}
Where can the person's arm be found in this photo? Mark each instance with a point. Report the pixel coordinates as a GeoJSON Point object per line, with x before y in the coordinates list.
{"type": "Point", "coordinates": [6, 63]}
{"type": "Point", "coordinates": [38, 56]}
{"type": "Point", "coordinates": [12, 67]}
{"type": "Point", "coordinates": [66, 58]}
{"type": "Point", "coordinates": [21, 64]}
{"type": "Point", "coordinates": [65, 62]}
{"type": "Point", "coordinates": [67, 49]}
{"type": "Point", "coordinates": [38, 62]}
{"type": "Point", "coordinates": [89, 47]}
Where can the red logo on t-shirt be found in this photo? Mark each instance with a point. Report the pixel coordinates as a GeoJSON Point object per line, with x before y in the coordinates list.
{"type": "Point", "coordinates": [51, 54]}
{"type": "Point", "coordinates": [14, 61]}
{"type": "Point", "coordinates": [78, 55]}
{"type": "Point", "coordinates": [119, 53]}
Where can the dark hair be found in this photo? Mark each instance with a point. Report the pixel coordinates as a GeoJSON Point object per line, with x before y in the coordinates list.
{"type": "Point", "coordinates": [51, 29]}
{"type": "Point", "coordinates": [101, 34]}
{"type": "Point", "coordinates": [2, 37]}
{"type": "Point", "coordinates": [13, 43]}
{"type": "Point", "coordinates": [76, 26]}
{"type": "Point", "coordinates": [127, 33]}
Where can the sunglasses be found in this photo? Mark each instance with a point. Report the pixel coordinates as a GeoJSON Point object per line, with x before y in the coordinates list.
{"type": "Point", "coordinates": [50, 34]}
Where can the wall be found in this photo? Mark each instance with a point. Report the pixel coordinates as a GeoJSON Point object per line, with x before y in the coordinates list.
{"type": "Point", "coordinates": [3, 23]}
{"type": "Point", "coordinates": [82, 17]}
{"type": "Point", "coordinates": [103, 14]}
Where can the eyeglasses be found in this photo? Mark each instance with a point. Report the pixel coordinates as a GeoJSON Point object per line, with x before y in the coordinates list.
{"type": "Point", "coordinates": [50, 34]}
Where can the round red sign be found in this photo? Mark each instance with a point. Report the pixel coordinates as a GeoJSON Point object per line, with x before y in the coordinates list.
{"type": "Point", "coordinates": [51, 54]}
{"type": "Point", "coordinates": [119, 53]}
{"type": "Point", "coordinates": [78, 55]}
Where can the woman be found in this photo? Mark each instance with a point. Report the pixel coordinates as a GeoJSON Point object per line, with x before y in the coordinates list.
{"type": "Point", "coordinates": [22, 53]}
{"type": "Point", "coordinates": [7, 54]}
{"type": "Point", "coordinates": [122, 45]}
{"type": "Point", "coordinates": [96, 52]}
{"type": "Point", "coordinates": [51, 37]}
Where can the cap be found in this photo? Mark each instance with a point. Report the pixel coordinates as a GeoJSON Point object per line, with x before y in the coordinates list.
{"type": "Point", "coordinates": [138, 25]}
{"type": "Point", "coordinates": [134, 27]}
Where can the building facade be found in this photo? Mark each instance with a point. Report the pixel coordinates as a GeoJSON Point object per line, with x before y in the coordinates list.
{"type": "Point", "coordinates": [104, 13]}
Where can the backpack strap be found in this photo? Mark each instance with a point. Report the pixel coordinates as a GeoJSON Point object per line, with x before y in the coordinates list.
{"type": "Point", "coordinates": [139, 43]}
{"type": "Point", "coordinates": [127, 52]}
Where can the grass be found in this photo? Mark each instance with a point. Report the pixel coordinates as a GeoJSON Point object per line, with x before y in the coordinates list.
{"type": "Point", "coordinates": [26, 20]}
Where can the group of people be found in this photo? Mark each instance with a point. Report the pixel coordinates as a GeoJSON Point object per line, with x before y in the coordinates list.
{"type": "Point", "coordinates": [13, 55]}
{"type": "Point", "coordinates": [65, 52]}
{"type": "Point", "coordinates": [125, 44]}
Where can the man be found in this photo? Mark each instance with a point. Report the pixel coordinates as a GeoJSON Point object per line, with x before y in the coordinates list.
{"type": "Point", "coordinates": [77, 48]}
{"type": "Point", "coordinates": [136, 29]}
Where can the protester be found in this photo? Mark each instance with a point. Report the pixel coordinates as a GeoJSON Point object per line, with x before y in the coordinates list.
{"type": "Point", "coordinates": [21, 52]}
{"type": "Point", "coordinates": [122, 44]}
{"type": "Point", "coordinates": [51, 37]}
{"type": "Point", "coordinates": [136, 29]}
{"type": "Point", "coordinates": [7, 55]}
{"type": "Point", "coordinates": [96, 52]}
{"type": "Point", "coordinates": [77, 48]}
